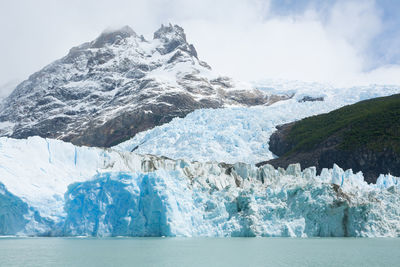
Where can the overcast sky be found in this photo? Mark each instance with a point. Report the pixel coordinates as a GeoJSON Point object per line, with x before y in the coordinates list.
{"type": "Point", "coordinates": [344, 42]}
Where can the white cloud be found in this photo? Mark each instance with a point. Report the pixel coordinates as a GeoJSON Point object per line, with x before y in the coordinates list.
{"type": "Point", "coordinates": [277, 48]}
{"type": "Point", "coordinates": [312, 46]}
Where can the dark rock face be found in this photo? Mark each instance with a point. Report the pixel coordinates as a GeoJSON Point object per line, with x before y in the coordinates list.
{"type": "Point", "coordinates": [311, 99]}
{"type": "Point", "coordinates": [173, 37]}
{"type": "Point", "coordinates": [126, 125]}
{"type": "Point", "coordinates": [105, 91]}
{"type": "Point", "coordinates": [325, 154]}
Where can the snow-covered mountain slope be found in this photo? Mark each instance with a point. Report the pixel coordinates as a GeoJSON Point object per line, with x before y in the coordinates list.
{"type": "Point", "coordinates": [242, 134]}
{"type": "Point", "coordinates": [105, 91]}
{"type": "Point", "coordinates": [48, 187]}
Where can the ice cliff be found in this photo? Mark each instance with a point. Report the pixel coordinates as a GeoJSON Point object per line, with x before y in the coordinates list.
{"type": "Point", "coordinates": [49, 187]}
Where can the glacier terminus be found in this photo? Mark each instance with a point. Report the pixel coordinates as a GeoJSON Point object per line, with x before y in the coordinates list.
{"type": "Point", "coordinates": [79, 191]}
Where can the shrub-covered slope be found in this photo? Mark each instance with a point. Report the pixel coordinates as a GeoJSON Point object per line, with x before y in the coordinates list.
{"type": "Point", "coordinates": [364, 136]}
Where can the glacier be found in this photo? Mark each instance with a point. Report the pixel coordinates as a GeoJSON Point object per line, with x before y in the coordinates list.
{"type": "Point", "coordinates": [53, 188]}
{"type": "Point", "coordinates": [241, 134]}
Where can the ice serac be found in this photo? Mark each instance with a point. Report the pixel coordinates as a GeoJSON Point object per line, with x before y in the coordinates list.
{"type": "Point", "coordinates": [17, 217]}
{"type": "Point", "coordinates": [107, 90]}
{"type": "Point", "coordinates": [55, 188]}
{"type": "Point", "coordinates": [127, 204]}
{"type": "Point", "coordinates": [12, 211]}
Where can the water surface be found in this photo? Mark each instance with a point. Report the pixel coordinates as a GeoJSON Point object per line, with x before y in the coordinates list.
{"type": "Point", "coordinates": [199, 252]}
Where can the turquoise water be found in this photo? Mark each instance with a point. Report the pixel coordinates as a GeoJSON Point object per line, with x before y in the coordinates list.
{"type": "Point", "coordinates": [199, 252]}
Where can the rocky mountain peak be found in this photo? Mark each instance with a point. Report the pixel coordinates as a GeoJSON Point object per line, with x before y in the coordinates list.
{"type": "Point", "coordinates": [173, 37]}
{"type": "Point", "coordinates": [113, 36]}
{"type": "Point", "coordinates": [169, 32]}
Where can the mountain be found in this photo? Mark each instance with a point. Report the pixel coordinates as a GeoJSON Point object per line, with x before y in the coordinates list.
{"type": "Point", "coordinates": [106, 91]}
{"type": "Point", "coordinates": [52, 188]}
{"type": "Point", "coordinates": [364, 136]}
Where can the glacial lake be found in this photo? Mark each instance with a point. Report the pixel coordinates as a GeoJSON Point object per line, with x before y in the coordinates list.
{"type": "Point", "coordinates": [199, 252]}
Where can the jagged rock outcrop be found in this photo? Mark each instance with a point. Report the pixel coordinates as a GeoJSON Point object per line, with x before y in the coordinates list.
{"type": "Point", "coordinates": [311, 99]}
{"type": "Point", "coordinates": [105, 91]}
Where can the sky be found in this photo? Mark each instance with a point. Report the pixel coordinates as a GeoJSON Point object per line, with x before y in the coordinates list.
{"type": "Point", "coordinates": [344, 42]}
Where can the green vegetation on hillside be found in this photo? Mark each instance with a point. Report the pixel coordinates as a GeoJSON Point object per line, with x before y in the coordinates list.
{"type": "Point", "coordinates": [374, 124]}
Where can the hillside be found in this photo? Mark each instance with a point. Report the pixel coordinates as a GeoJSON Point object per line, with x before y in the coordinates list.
{"type": "Point", "coordinates": [364, 136]}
